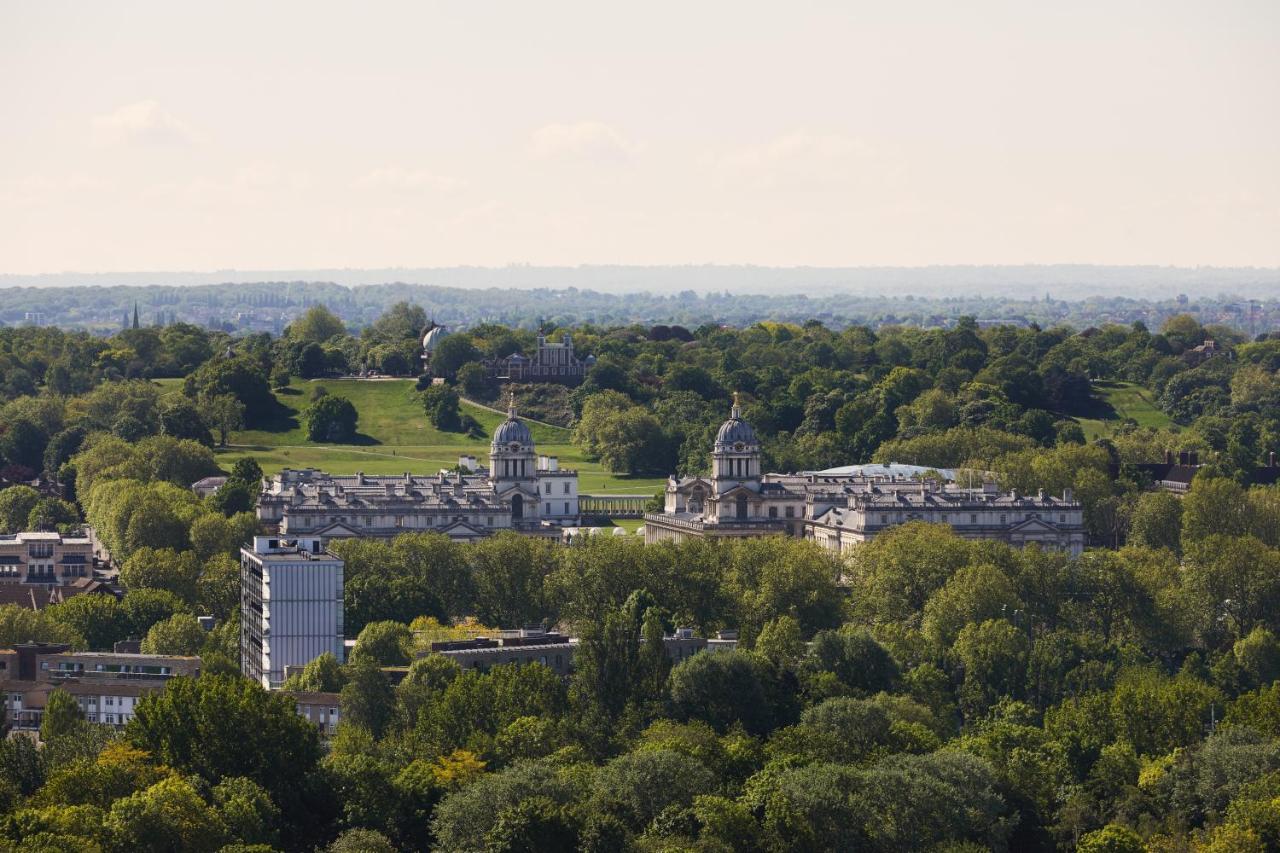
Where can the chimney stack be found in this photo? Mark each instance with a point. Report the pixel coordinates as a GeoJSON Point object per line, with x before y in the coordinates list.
{"type": "Point", "coordinates": [1168, 456]}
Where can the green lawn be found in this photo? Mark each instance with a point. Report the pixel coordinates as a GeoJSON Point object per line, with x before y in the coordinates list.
{"type": "Point", "coordinates": [1126, 401]}
{"type": "Point", "coordinates": [395, 436]}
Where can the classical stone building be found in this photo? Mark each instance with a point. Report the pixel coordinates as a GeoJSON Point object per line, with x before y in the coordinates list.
{"type": "Point", "coordinates": [552, 361]}
{"type": "Point", "coordinates": [519, 491]}
{"type": "Point", "coordinates": [858, 515]}
{"type": "Point", "coordinates": [839, 510]}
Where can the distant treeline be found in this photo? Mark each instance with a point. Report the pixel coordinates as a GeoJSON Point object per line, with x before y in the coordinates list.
{"type": "Point", "coordinates": [270, 306]}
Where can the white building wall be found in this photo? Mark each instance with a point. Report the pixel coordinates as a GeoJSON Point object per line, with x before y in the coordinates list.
{"type": "Point", "coordinates": [302, 614]}
{"type": "Point", "coordinates": [558, 497]}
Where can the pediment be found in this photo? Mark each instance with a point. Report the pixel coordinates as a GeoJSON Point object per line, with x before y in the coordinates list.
{"type": "Point", "coordinates": [737, 490]}
{"type": "Point", "coordinates": [1033, 525]}
{"type": "Point", "coordinates": [336, 531]}
{"type": "Point", "coordinates": [463, 530]}
{"type": "Point", "coordinates": [507, 490]}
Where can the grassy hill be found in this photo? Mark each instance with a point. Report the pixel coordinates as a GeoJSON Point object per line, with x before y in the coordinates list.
{"type": "Point", "coordinates": [1123, 401]}
{"type": "Point", "coordinates": [395, 436]}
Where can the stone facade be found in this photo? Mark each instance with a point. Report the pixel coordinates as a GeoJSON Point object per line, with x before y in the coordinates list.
{"type": "Point", "coordinates": [519, 491]}
{"type": "Point", "coordinates": [839, 510]}
{"type": "Point", "coordinates": [551, 362]}
{"type": "Point", "coordinates": [859, 515]}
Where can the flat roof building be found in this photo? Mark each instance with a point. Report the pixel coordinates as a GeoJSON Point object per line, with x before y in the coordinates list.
{"type": "Point", "coordinates": [106, 685]}
{"type": "Point", "coordinates": [291, 608]}
{"type": "Point", "coordinates": [322, 710]}
{"type": "Point", "coordinates": [44, 559]}
{"type": "Point", "coordinates": [549, 648]}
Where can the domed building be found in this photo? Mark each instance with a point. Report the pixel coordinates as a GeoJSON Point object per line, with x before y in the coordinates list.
{"type": "Point", "coordinates": [519, 491]}
{"type": "Point", "coordinates": [432, 335]}
{"type": "Point", "coordinates": [840, 508]}
{"type": "Point", "coordinates": [735, 501]}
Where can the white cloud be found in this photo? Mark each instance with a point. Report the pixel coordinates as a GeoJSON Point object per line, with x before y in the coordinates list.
{"type": "Point", "coordinates": [395, 178]}
{"type": "Point", "coordinates": [584, 140]}
{"type": "Point", "coordinates": [142, 122]}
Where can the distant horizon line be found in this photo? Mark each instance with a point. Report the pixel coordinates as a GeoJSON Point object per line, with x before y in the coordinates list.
{"type": "Point", "coordinates": [654, 266]}
{"type": "Point", "coordinates": [1008, 281]}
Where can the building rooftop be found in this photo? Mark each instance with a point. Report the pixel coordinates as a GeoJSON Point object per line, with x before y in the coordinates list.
{"type": "Point", "coordinates": [133, 656]}
{"type": "Point", "coordinates": [42, 536]}
{"type": "Point", "coordinates": [876, 469]}
{"type": "Point", "coordinates": [309, 697]}
{"type": "Point", "coordinates": [294, 557]}
{"type": "Point", "coordinates": [876, 498]}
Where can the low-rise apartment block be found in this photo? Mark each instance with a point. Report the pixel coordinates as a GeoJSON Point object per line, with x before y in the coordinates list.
{"type": "Point", "coordinates": [44, 559]}
{"type": "Point", "coordinates": [322, 710]}
{"type": "Point", "coordinates": [106, 685]}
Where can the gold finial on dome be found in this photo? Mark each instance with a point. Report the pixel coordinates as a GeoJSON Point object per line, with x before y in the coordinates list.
{"type": "Point", "coordinates": [735, 412]}
{"type": "Point", "coordinates": [511, 404]}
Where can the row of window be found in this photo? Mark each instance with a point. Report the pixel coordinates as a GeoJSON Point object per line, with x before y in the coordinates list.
{"type": "Point", "coordinates": [973, 517]}
{"type": "Point", "coordinates": [430, 520]}
{"type": "Point", "coordinates": [545, 660]}
{"type": "Point", "coordinates": [73, 666]}
{"type": "Point", "coordinates": [566, 487]}
{"type": "Point", "coordinates": [110, 719]}
{"type": "Point", "coordinates": [41, 573]}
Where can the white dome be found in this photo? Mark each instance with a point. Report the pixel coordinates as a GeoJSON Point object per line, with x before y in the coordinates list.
{"type": "Point", "coordinates": [433, 337]}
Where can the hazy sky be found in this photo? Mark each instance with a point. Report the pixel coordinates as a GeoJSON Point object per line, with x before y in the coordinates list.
{"type": "Point", "coordinates": [145, 136]}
